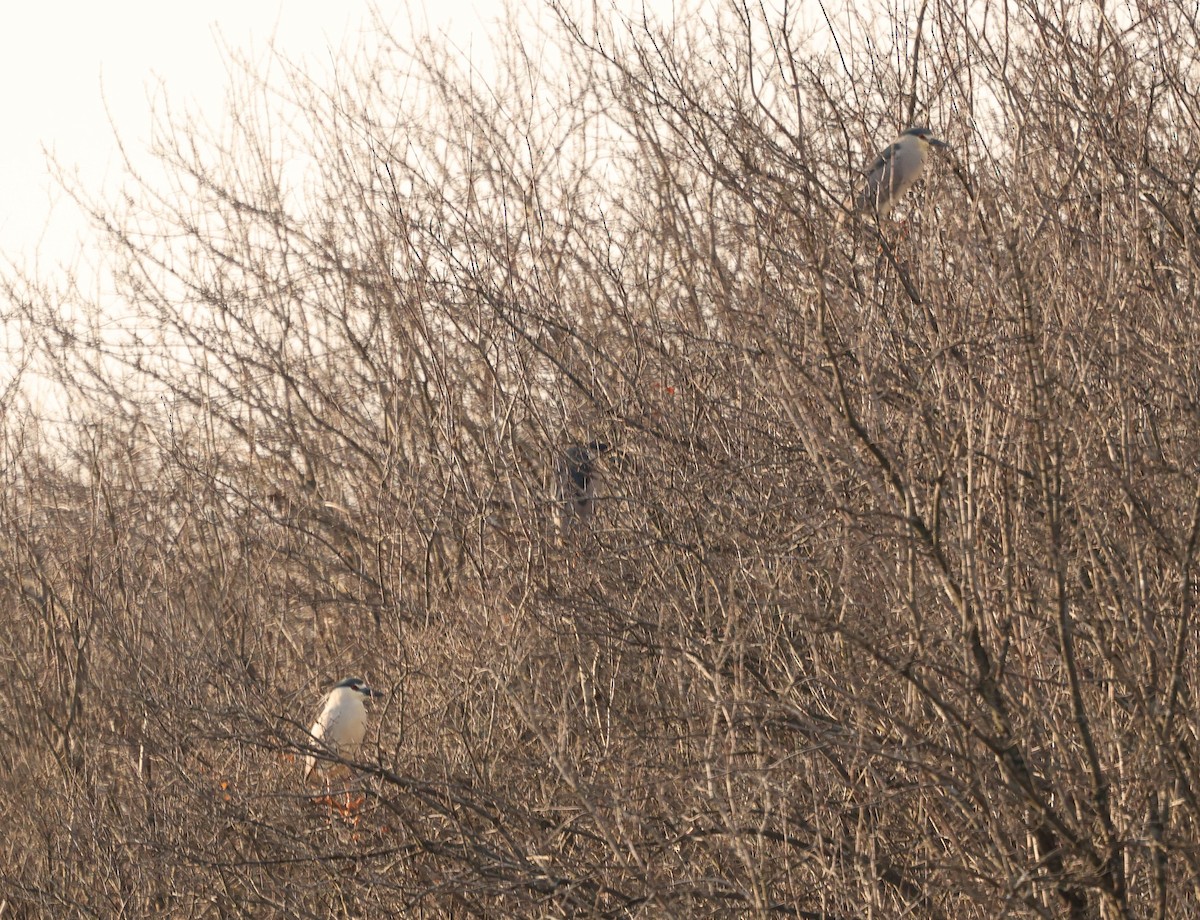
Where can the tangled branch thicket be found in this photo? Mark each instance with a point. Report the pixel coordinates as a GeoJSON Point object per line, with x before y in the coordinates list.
{"type": "Point", "coordinates": [887, 604]}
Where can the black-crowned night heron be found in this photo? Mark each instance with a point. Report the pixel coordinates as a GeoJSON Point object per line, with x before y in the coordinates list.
{"type": "Point", "coordinates": [896, 170]}
{"type": "Point", "coordinates": [577, 477]}
{"type": "Point", "coordinates": [342, 723]}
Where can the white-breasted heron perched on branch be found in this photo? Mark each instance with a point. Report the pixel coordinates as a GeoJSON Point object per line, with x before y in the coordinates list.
{"type": "Point", "coordinates": [342, 724]}
{"type": "Point", "coordinates": [577, 476]}
{"type": "Point", "coordinates": [896, 170]}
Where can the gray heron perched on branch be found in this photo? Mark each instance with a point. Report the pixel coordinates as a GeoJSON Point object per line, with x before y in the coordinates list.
{"type": "Point", "coordinates": [577, 476]}
{"type": "Point", "coordinates": [896, 170]}
{"type": "Point", "coordinates": [342, 724]}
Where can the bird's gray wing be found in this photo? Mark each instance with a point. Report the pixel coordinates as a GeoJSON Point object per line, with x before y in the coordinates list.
{"type": "Point", "coordinates": [883, 159]}
{"type": "Point", "coordinates": [878, 177]}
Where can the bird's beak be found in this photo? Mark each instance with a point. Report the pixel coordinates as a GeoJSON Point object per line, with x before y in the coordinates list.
{"type": "Point", "coordinates": [934, 142]}
{"type": "Point", "coordinates": [375, 694]}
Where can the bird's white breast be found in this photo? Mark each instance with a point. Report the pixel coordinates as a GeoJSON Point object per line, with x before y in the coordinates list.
{"type": "Point", "coordinates": [343, 722]}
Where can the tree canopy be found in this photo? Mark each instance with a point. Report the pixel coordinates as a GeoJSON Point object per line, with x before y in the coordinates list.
{"type": "Point", "coordinates": [885, 601]}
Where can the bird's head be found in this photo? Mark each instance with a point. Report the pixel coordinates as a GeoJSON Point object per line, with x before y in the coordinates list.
{"type": "Point", "coordinates": [357, 686]}
{"type": "Point", "coordinates": [925, 136]}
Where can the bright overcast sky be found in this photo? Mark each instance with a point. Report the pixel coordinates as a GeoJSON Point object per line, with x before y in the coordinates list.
{"type": "Point", "coordinates": [68, 67]}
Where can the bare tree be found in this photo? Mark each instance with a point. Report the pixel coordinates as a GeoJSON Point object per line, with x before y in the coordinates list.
{"type": "Point", "coordinates": [885, 602]}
